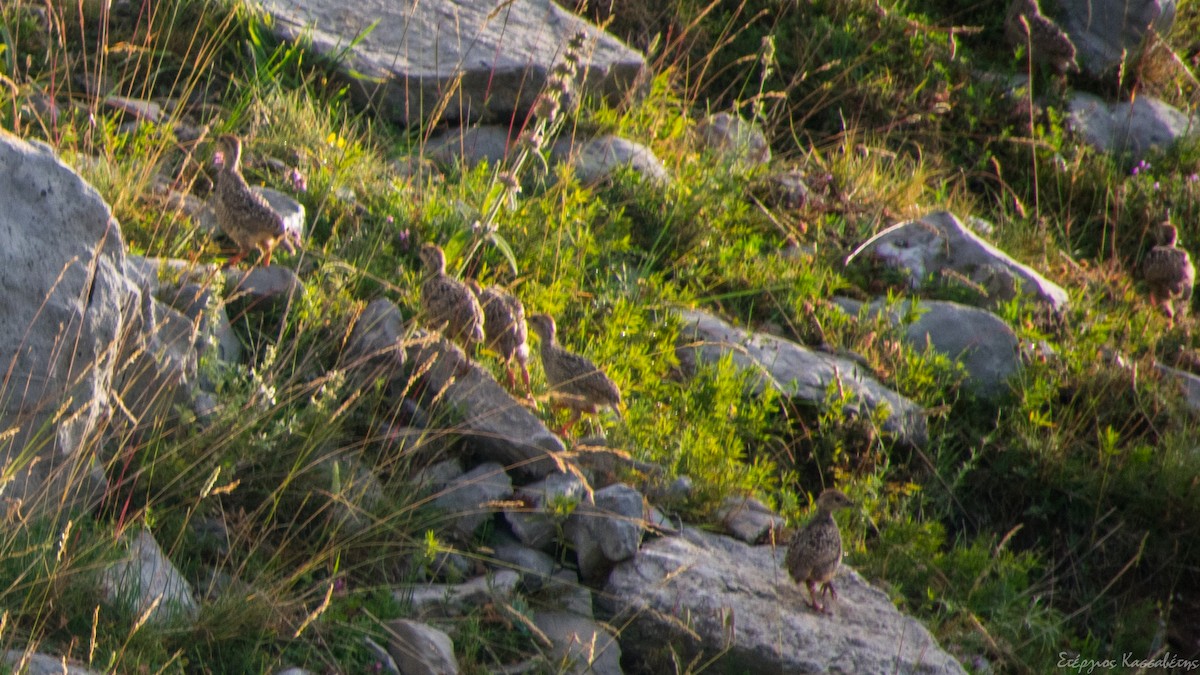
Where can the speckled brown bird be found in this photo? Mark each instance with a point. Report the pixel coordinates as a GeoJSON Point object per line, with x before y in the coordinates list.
{"type": "Point", "coordinates": [575, 382]}
{"type": "Point", "coordinates": [504, 329]}
{"type": "Point", "coordinates": [449, 306]}
{"type": "Point", "coordinates": [242, 213]}
{"type": "Point", "coordinates": [1046, 41]}
{"type": "Point", "coordinates": [815, 552]}
{"type": "Point", "coordinates": [1169, 273]}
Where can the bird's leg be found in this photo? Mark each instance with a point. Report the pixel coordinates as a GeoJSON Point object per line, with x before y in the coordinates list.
{"type": "Point", "coordinates": [812, 601]}
{"type": "Point", "coordinates": [570, 423]}
{"type": "Point", "coordinates": [267, 256]}
{"type": "Point", "coordinates": [827, 587]}
{"type": "Point", "coordinates": [236, 258]}
{"type": "Point", "coordinates": [525, 377]}
{"type": "Point", "coordinates": [508, 374]}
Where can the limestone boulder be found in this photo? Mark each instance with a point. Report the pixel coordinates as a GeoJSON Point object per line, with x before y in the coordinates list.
{"type": "Point", "coordinates": [705, 596]}
{"type": "Point", "coordinates": [452, 600]}
{"type": "Point", "coordinates": [1107, 32]}
{"type": "Point", "coordinates": [495, 426]}
{"type": "Point", "coordinates": [146, 581]}
{"type": "Point", "coordinates": [581, 646]}
{"type": "Point", "coordinates": [466, 499]}
{"type": "Point", "coordinates": [546, 504]}
{"type": "Point", "coordinates": [68, 306]}
{"type": "Point", "coordinates": [737, 141]}
{"type": "Point", "coordinates": [375, 347]}
{"type": "Point", "coordinates": [797, 372]}
{"type": "Point", "coordinates": [461, 60]}
{"type": "Point", "coordinates": [32, 663]}
{"type": "Point", "coordinates": [607, 529]}
{"type": "Point", "coordinates": [939, 242]}
{"type": "Point", "coordinates": [985, 346]}
{"type": "Point", "coordinates": [1133, 127]}
{"type": "Point", "coordinates": [748, 519]}
{"type": "Point", "coordinates": [420, 649]}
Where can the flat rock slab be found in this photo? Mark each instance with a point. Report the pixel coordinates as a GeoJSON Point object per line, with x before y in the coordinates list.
{"type": "Point", "coordinates": [798, 372]}
{"type": "Point", "coordinates": [495, 425]}
{"type": "Point", "coordinates": [939, 242]}
{"type": "Point", "coordinates": [711, 596]}
{"type": "Point", "coordinates": [464, 60]}
{"type": "Point", "coordinates": [1135, 127]}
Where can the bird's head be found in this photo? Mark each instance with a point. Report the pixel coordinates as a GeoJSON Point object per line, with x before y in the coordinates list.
{"type": "Point", "coordinates": [833, 499]}
{"type": "Point", "coordinates": [433, 258]}
{"type": "Point", "coordinates": [543, 325]}
{"type": "Point", "coordinates": [1167, 234]}
{"type": "Point", "coordinates": [231, 150]}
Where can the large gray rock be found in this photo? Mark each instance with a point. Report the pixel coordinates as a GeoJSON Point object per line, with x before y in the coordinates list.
{"type": "Point", "coordinates": [146, 581]}
{"type": "Point", "coordinates": [375, 346]}
{"type": "Point", "coordinates": [31, 663]}
{"type": "Point", "coordinates": [466, 498]}
{"type": "Point", "coordinates": [940, 242]}
{"type": "Point", "coordinates": [797, 372]}
{"type": "Point", "coordinates": [451, 600]}
{"type": "Point", "coordinates": [597, 159]}
{"type": "Point", "coordinates": [593, 159]}
{"type": "Point", "coordinates": [738, 142]}
{"type": "Point", "coordinates": [708, 596]}
{"type": "Point", "coordinates": [979, 340]}
{"type": "Point", "coordinates": [464, 60]}
{"type": "Point", "coordinates": [1134, 126]}
{"type": "Point", "coordinates": [1107, 32]}
{"type": "Point", "coordinates": [158, 366]}
{"type": "Point", "coordinates": [544, 508]}
{"type": "Point", "coordinates": [496, 426]}
{"type": "Point", "coordinates": [421, 649]}
{"type": "Point", "coordinates": [580, 645]}
{"type": "Point", "coordinates": [608, 530]}
{"type": "Point", "coordinates": [748, 519]}
{"type": "Point", "coordinates": [67, 304]}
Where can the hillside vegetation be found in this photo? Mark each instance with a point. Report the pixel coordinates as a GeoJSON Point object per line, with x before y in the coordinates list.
{"type": "Point", "coordinates": [1063, 519]}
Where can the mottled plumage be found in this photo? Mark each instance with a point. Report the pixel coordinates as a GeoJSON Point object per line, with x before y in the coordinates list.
{"type": "Point", "coordinates": [1169, 273]}
{"type": "Point", "coordinates": [1047, 42]}
{"type": "Point", "coordinates": [242, 213]}
{"type": "Point", "coordinates": [815, 552]}
{"type": "Point", "coordinates": [504, 328]}
{"type": "Point", "coordinates": [575, 382]}
{"type": "Point", "coordinates": [449, 306]}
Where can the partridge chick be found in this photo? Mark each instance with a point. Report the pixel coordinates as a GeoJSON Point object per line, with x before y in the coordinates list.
{"type": "Point", "coordinates": [242, 213]}
{"type": "Point", "coordinates": [1169, 272]}
{"type": "Point", "coordinates": [575, 382]}
{"type": "Point", "coordinates": [1047, 43]}
{"type": "Point", "coordinates": [449, 306]}
{"type": "Point", "coordinates": [815, 553]}
{"type": "Point", "coordinates": [504, 328]}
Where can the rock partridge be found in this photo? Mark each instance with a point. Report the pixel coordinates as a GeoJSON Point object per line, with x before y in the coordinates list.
{"type": "Point", "coordinates": [1169, 272]}
{"type": "Point", "coordinates": [1047, 43]}
{"type": "Point", "coordinates": [449, 306]}
{"type": "Point", "coordinates": [242, 213]}
{"type": "Point", "coordinates": [575, 382]}
{"type": "Point", "coordinates": [815, 553]}
{"type": "Point", "coordinates": [504, 329]}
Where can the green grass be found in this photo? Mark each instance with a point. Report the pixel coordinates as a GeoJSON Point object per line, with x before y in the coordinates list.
{"type": "Point", "coordinates": [1061, 518]}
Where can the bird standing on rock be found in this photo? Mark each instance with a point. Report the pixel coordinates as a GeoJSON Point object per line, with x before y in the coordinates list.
{"type": "Point", "coordinates": [450, 307]}
{"type": "Point", "coordinates": [242, 213]}
{"type": "Point", "coordinates": [815, 553]}
{"type": "Point", "coordinates": [1047, 42]}
{"type": "Point", "coordinates": [1169, 272]}
{"type": "Point", "coordinates": [575, 382]}
{"type": "Point", "coordinates": [504, 328]}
